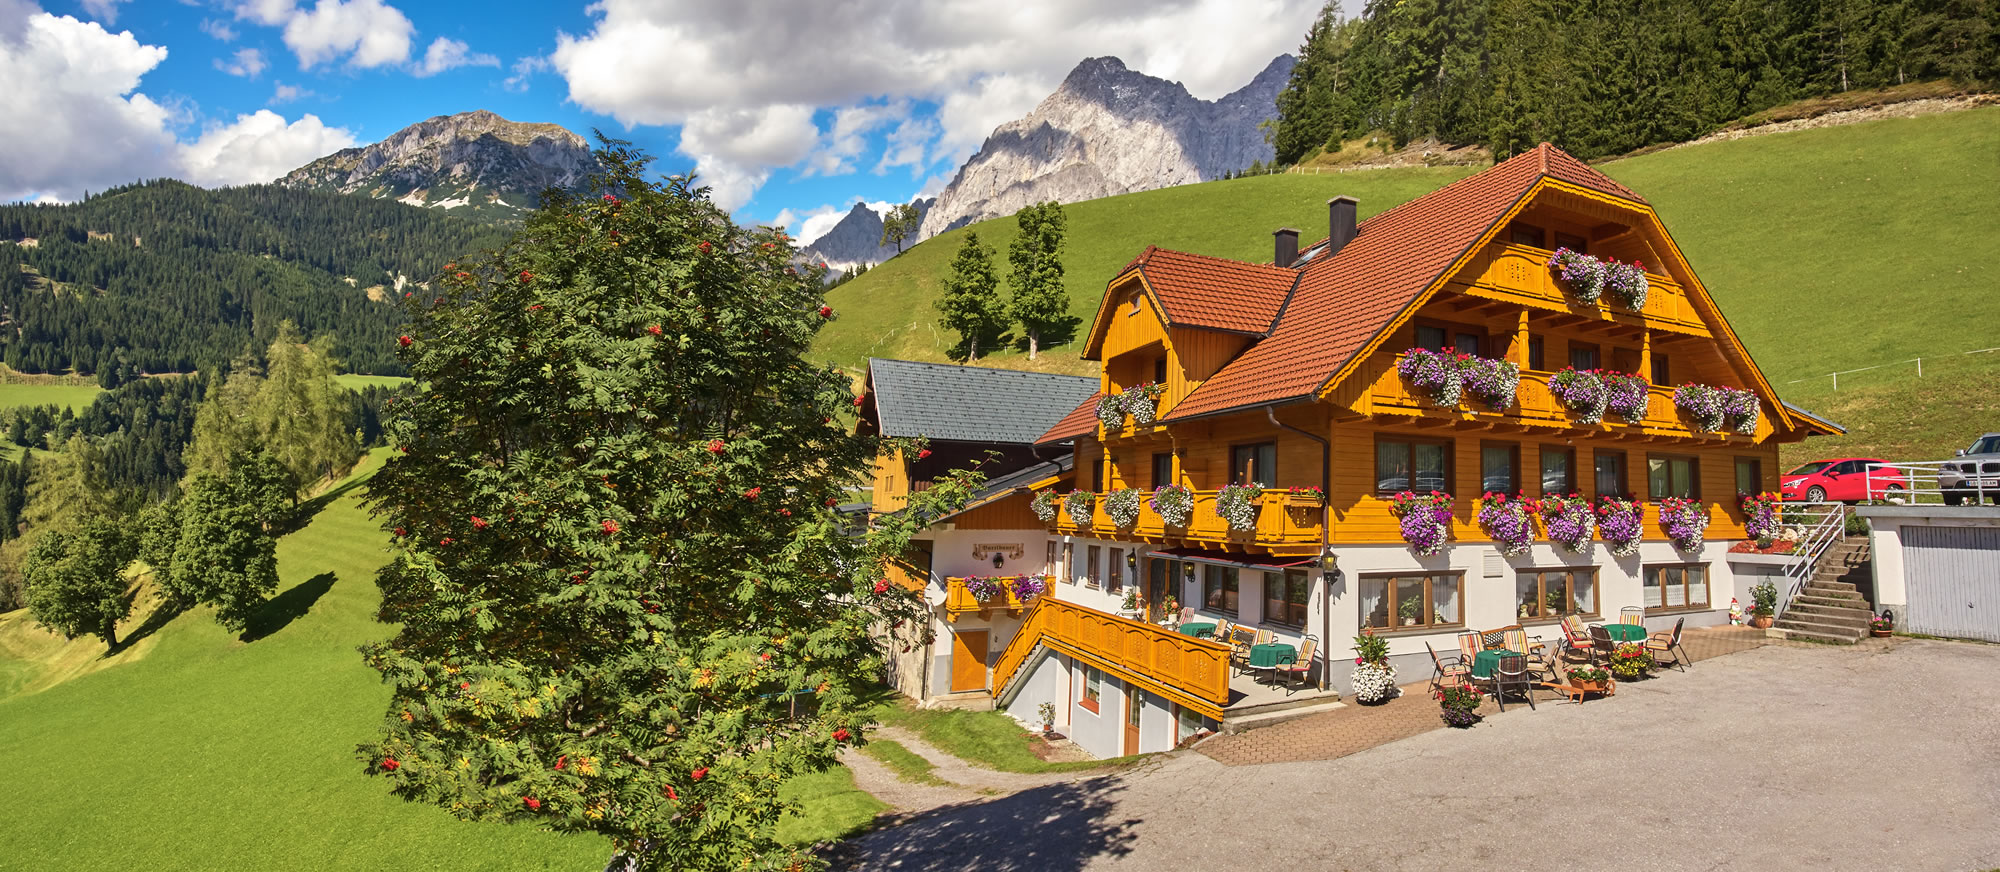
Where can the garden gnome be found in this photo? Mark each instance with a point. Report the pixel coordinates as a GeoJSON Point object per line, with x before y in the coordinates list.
{"type": "Point", "coordinates": [1735, 613]}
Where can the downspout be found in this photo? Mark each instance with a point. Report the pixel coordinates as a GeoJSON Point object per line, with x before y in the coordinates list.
{"type": "Point", "coordinates": [1325, 583]}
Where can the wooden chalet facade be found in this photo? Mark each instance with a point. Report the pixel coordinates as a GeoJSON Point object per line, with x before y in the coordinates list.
{"type": "Point", "coordinates": [1286, 375]}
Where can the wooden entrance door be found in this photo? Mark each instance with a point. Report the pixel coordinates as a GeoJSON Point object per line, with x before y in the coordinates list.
{"type": "Point", "coordinates": [1135, 705]}
{"type": "Point", "coordinates": [968, 660]}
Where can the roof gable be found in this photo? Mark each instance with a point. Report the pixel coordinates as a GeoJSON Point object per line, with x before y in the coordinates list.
{"type": "Point", "coordinates": [970, 403]}
{"type": "Point", "coordinates": [1080, 421]}
{"type": "Point", "coordinates": [1201, 292]}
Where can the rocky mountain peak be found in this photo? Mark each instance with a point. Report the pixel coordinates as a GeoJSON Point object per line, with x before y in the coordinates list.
{"type": "Point", "coordinates": [472, 159]}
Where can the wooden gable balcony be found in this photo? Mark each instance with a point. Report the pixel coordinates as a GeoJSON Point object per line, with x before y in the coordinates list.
{"type": "Point", "coordinates": [1286, 525]}
{"type": "Point", "coordinates": [1520, 274]}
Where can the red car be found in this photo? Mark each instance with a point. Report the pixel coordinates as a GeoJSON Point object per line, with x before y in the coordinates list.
{"type": "Point", "coordinates": [1847, 480]}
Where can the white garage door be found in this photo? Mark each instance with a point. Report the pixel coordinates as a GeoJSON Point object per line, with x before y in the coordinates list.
{"type": "Point", "coordinates": [1954, 581]}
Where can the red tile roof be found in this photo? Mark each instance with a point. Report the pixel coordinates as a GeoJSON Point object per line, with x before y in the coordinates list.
{"type": "Point", "coordinates": [1216, 293]}
{"type": "Point", "coordinates": [1344, 301]}
{"type": "Point", "coordinates": [1081, 420]}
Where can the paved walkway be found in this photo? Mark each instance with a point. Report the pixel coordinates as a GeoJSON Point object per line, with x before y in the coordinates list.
{"type": "Point", "coordinates": [960, 781]}
{"type": "Point", "coordinates": [1788, 756]}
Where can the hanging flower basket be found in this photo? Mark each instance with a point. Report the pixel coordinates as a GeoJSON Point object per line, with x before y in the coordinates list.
{"type": "Point", "coordinates": [1425, 520]}
{"type": "Point", "coordinates": [1141, 401]}
{"type": "Point", "coordinates": [1436, 374]}
{"type": "Point", "coordinates": [1080, 505]}
{"type": "Point", "coordinates": [1493, 382]}
{"type": "Point", "coordinates": [1626, 395]}
{"type": "Point", "coordinates": [1174, 503]}
{"type": "Point", "coordinates": [1237, 504]}
{"type": "Point", "coordinates": [1582, 274]}
{"type": "Point", "coordinates": [1026, 587]}
{"type": "Point", "coordinates": [1045, 505]}
{"type": "Point", "coordinates": [1685, 521]}
{"type": "Point", "coordinates": [1309, 495]}
{"type": "Point", "coordinates": [1506, 520]}
{"type": "Point", "coordinates": [983, 588]}
{"type": "Point", "coordinates": [1625, 284]}
{"type": "Point", "coordinates": [1568, 520]}
{"type": "Point", "coordinates": [1111, 412]}
{"type": "Point", "coordinates": [1739, 409]}
{"type": "Point", "coordinates": [1620, 523]}
{"type": "Point", "coordinates": [1582, 391]}
{"type": "Point", "coordinates": [1702, 404]}
{"type": "Point", "coordinates": [1760, 516]}
{"type": "Point", "coordinates": [1122, 505]}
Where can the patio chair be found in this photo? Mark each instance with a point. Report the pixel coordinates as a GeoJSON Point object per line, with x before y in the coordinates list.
{"type": "Point", "coordinates": [1601, 644]}
{"type": "Point", "coordinates": [1447, 671]}
{"type": "Point", "coordinates": [1187, 616]}
{"type": "Point", "coordinates": [1241, 639]}
{"type": "Point", "coordinates": [1576, 649]}
{"type": "Point", "coordinates": [1517, 640]}
{"type": "Point", "coordinates": [1669, 643]}
{"type": "Point", "coordinates": [1469, 645]}
{"type": "Point", "coordinates": [1300, 669]}
{"type": "Point", "coordinates": [1632, 615]}
{"type": "Point", "coordinates": [1512, 673]}
{"type": "Point", "coordinates": [1491, 639]}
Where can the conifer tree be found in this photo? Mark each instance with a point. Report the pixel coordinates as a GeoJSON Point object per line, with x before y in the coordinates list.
{"type": "Point", "coordinates": [624, 602]}
{"type": "Point", "coordinates": [75, 578]}
{"type": "Point", "coordinates": [301, 411]}
{"type": "Point", "coordinates": [971, 302]}
{"type": "Point", "coordinates": [1040, 302]}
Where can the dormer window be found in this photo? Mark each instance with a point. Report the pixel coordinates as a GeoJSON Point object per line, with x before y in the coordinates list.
{"type": "Point", "coordinates": [1135, 303]}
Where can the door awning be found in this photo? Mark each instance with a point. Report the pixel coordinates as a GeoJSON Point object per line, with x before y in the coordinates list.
{"type": "Point", "coordinates": [1224, 558]}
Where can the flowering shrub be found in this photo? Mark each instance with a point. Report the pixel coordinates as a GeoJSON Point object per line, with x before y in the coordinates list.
{"type": "Point", "coordinates": [1629, 659]}
{"type": "Point", "coordinates": [1027, 587]}
{"type": "Point", "coordinates": [1760, 516]}
{"type": "Point", "coordinates": [1425, 520]}
{"type": "Point", "coordinates": [1079, 505]}
{"type": "Point", "coordinates": [1460, 705]}
{"type": "Point", "coordinates": [1174, 503]}
{"type": "Point", "coordinates": [1506, 520]}
{"type": "Point", "coordinates": [1581, 391]}
{"type": "Point", "coordinates": [1619, 524]}
{"type": "Point", "coordinates": [1493, 382]}
{"type": "Point", "coordinates": [1310, 493]}
{"type": "Point", "coordinates": [1374, 680]}
{"type": "Point", "coordinates": [1123, 506]}
{"type": "Point", "coordinates": [1436, 373]}
{"type": "Point", "coordinates": [1141, 401]}
{"type": "Point", "coordinates": [1237, 504]}
{"type": "Point", "coordinates": [1627, 395]}
{"type": "Point", "coordinates": [1626, 283]}
{"type": "Point", "coordinates": [1044, 505]}
{"type": "Point", "coordinates": [1111, 412]}
{"type": "Point", "coordinates": [1582, 274]}
{"type": "Point", "coordinates": [983, 588]}
{"type": "Point", "coordinates": [1568, 520]}
{"type": "Point", "coordinates": [1685, 521]}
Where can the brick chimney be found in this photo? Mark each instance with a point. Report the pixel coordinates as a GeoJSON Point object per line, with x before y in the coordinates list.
{"type": "Point", "coordinates": [1339, 223]}
{"type": "Point", "coordinates": [1288, 246]}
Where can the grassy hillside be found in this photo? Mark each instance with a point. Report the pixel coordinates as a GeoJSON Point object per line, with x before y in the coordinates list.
{"type": "Point", "coordinates": [1829, 249]}
{"type": "Point", "coordinates": [76, 397]}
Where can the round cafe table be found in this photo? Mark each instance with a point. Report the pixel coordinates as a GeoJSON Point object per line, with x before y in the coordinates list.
{"type": "Point", "coordinates": [1622, 633]}
{"type": "Point", "coordinates": [1272, 655]}
{"type": "Point", "coordinates": [1198, 630]}
{"type": "Point", "coordinates": [1486, 662]}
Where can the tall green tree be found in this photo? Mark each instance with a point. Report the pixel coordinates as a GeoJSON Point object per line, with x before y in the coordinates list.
{"type": "Point", "coordinates": [624, 603]}
{"type": "Point", "coordinates": [302, 413]}
{"type": "Point", "coordinates": [901, 223]}
{"type": "Point", "coordinates": [971, 303]}
{"type": "Point", "coordinates": [225, 556]}
{"type": "Point", "coordinates": [75, 578]}
{"type": "Point", "coordinates": [1040, 302]}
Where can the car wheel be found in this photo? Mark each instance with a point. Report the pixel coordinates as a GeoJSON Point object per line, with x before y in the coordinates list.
{"type": "Point", "coordinates": [1815, 494]}
{"type": "Point", "coordinates": [1893, 492]}
{"type": "Point", "coordinates": [1951, 499]}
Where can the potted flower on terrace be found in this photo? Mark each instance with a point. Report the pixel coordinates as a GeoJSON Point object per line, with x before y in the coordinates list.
{"type": "Point", "coordinates": [983, 588]}
{"type": "Point", "coordinates": [1626, 283]}
{"type": "Point", "coordinates": [1568, 519]}
{"type": "Point", "coordinates": [1460, 705]}
{"type": "Point", "coordinates": [1026, 588]}
{"type": "Point", "coordinates": [1142, 401]}
{"type": "Point", "coordinates": [1620, 524]}
{"type": "Point", "coordinates": [1629, 660]}
{"type": "Point", "coordinates": [1581, 273]}
{"type": "Point", "coordinates": [1111, 412]}
{"type": "Point", "coordinates": [1764, 597]}
{"type": "Point", "coordinates": [1627, 395]}
{"type": "Point", "coordinates": [1881, 626]}
{"type": "Point", "coordinates": [1589, 679]}
{"type": "Point", "coordinates": [1373, 678]}
{"type": "Point", "coordinates": [1435, 373]}
{"type": "Point", "coordinates": [1307, 495]}
{"type": "Point", "coordinates": [1174, 503]}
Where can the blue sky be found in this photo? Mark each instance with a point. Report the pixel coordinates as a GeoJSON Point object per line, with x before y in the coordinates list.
{"type": "Point", "coordinates": [793, 111]}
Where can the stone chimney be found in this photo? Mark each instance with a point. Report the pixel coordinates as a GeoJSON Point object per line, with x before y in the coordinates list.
{"type": "Point", "coordinates": [1288, 246]}
{"type": "Point", "coordinates": [1339, 223]}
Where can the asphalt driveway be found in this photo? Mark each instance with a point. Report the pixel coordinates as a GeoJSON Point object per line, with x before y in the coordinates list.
{"type": "Point", "coordinates": [1776, 758]}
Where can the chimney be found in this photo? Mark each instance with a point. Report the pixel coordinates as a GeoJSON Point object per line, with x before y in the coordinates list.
{"type": "Point", "coordinates": [1288, 245]}
{"type": "Point", "coordinates": [1339, 223]}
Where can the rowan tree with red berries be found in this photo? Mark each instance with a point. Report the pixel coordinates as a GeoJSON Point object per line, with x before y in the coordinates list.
{"type": "Point", "coordinates": [626, 604]}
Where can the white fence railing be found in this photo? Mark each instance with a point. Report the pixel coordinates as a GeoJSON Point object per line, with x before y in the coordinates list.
{"type": "Point", "coordinates": [1934, 482]}
{"type": "Point", "coordinates": [1818, 526]}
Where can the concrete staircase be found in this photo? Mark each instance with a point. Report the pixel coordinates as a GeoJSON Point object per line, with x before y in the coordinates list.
{"type": "Point", "coordinates": [1833, 607]}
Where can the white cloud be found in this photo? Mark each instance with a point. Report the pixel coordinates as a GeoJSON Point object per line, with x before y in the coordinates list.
{"type": "Point", "coordinates": [246, 62]}
{"type": "Point", "coordinates": [848, 137]}
{"type": "Point", "coordinates": [735, 150]}
{"type": "Point", "coordinates": [808, 225]}
{"type": "Point", "coordinates": [368, 33]}
{"type": "Point", "coordinates": [907, 145]}
{"type": "Point", "coordinates": [287, 93]}
{"type": "Point", "coordinates": [103, 10]}
{"type": "Point", "coordinates": [73, 92]}
{"type": "Point", "coordinates": [446, 54]}
{"type": "Point", "coordinates": [218, 29]}
{"type": "Point", "coordinates": [524, 69]}
{"type": "Point", "coordinates": [666, 61]}
{"type": "Point", "coordinates": [258, 148]}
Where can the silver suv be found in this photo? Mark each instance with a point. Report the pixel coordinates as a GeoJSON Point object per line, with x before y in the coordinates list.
{"type": "Point", "coordinates": [1975, 473]}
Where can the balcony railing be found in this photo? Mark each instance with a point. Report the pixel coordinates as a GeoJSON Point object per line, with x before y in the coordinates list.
{"type": "Point", "coordinates": [1534, 405]}
{"type": "Point", "coordinates": [1192, 672]}
{"type": "Point", "coordinates": [1285, 524]}
{"type": "Point", "coordinates": [960, 601]}
{"type": "Point", "coordinates": [1521, 273]}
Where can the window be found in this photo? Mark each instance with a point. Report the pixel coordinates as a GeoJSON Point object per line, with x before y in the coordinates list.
{"type": "Point", "coordinates": [1558, 470]}
{"type": "Point", "coordinates": [1187, 722]}
{"type": "Point", "coordinates": [1676, 586]}
{"type": "Point", "coordinates": [1431, 338]}
{"type": "Point", "coordinates": [1548, 594]}
{"type": "Point", "coordinates": [1438, 338]}
{"type": "Point", "coordinates": [1400, 602]}
{"type": "Point", "coordinates": [1610, 473]}
{"type": "Point", "coordinates": [1536, 359]}
{"type": "Point", "coordinates": [1159, 370]}
{"type": "Point", "coordinates": [1163, 469]}
{"type": "Point", "coordinates": [1524, 234]}
{"type": "Point", "coordinates": [1412, 465]}
{"type": "Point", "coordinates": [1093, 569]}
{"type": "Point", "coordinates": [1583, 356]}
{"type": "Point", "coordinates": [1498, 462]}
{"type": "Point", "coordinates": [1672, 477]}
{"type": "Point", "coordinates": [1116, 571]}
{"type": "Point", "coordinates": [1662, 371]}
{"type": "Point", "coordinates": [1285, 597]}
{"type": "Point", "coordinates": [1254, 464]}
{"type": "Point", "coordinates": [1749, 475]}
{"type": "Point", "coordinates": [1069, 562]}
{"type": "Point", "coordinates": [1093, 689]}
{"type": "Point", "coordinates": [1574, 243]}
{"type": "Point", "coordinates": [1053, 566]}
{"type": "Point", "coordinates": [1468, 343]}
{"type": "Point", "coordinates": [1218, 589]}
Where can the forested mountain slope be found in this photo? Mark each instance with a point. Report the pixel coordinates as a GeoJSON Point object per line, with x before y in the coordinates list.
{"type": "Point", "coordinates": [167, 277]}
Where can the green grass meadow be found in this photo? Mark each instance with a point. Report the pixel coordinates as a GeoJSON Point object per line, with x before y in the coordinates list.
{"type": "Point", "coordinates": [76, 397]}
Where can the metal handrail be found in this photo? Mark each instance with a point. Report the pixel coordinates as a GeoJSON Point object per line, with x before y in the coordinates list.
{"type": "Point", "coordinates": [1917, 482]}
{"type": "Point", "coordinates": [1819, 525]}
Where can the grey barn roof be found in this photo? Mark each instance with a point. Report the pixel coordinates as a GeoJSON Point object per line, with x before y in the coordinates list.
{"type": "Point", "coordinates": [971, 403]}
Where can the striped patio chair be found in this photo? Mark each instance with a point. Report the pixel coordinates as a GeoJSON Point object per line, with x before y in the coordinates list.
{"type": "Point", "coordinates": [1469, 644]}
{"type": "Point", "coordinates": [1576, 649]}
{"type": "Point", "coordinates": [1632, 615]}
{"type": "Point", "coordinates": [1573, 626]}
{"type": "Point", "coordinates": [1447, 671]}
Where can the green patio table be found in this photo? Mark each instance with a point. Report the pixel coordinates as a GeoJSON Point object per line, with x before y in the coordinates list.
{"type": "Point", "coordinates": [1626, 632]}
{"type": "Point", "coordinates": [1198, 630]}
{"type": "Point", "coordinates": [1485, 662]}
{"type": "Point", "coordinates": [1272, 655]}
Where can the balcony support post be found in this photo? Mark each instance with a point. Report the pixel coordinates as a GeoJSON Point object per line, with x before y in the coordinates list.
{"type": "Point", "coordinates": [1519, 352]}
{"type": "Point", "coordinates": [1645, 355]}
{"type": "Point", "coordinates": [1325, 585]}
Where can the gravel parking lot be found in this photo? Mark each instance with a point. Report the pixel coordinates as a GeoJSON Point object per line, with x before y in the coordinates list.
{"type": "Point", "coordinates": [1776, 758]}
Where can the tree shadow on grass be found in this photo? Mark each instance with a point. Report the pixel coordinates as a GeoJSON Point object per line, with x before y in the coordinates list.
{"type": "Point", "coordinates": [1052, 828]}
{"type": "Point", "coordinates": [287, 607]}
{"type": "Point", "coordinates": [164, 612]}
{"type": "Point", "coordinates": [304, 513]}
